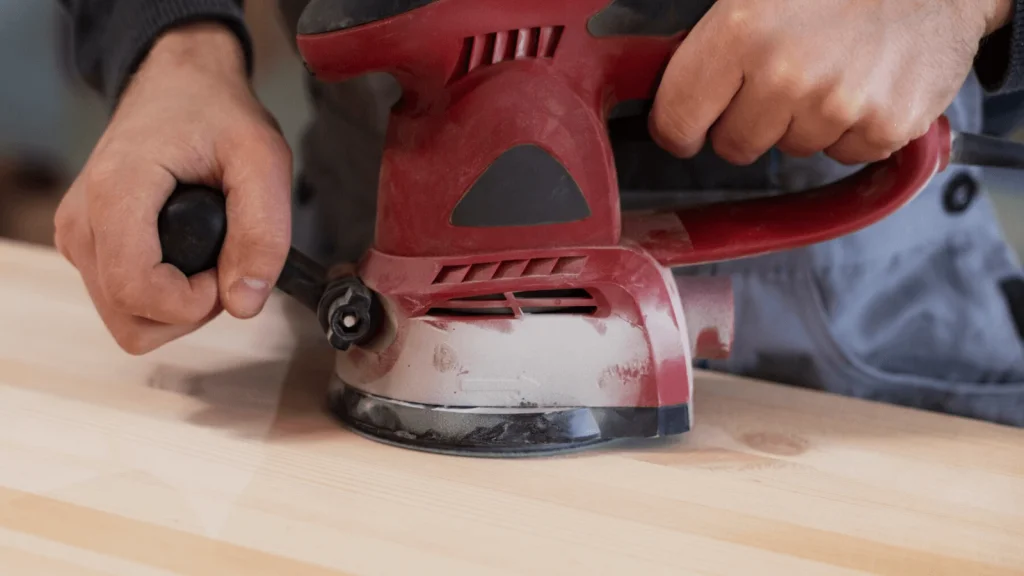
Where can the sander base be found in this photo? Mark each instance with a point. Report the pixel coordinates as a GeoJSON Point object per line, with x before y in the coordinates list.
{"type": "Point", "coordinates": [498, 431]}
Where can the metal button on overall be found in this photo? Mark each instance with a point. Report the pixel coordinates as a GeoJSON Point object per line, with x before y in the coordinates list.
{"type": "Point", "coordinates": [960, 192]}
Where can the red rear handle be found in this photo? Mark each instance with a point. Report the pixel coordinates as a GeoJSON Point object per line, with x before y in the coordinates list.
{"type": "Point", "coordinates": [749, 228]}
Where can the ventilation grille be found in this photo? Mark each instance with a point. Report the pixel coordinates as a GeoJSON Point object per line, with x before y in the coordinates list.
{"type": "Point", "coordinates": [573, 301]}
{"type": "Point", "coordinates": [522, 44]}
{"type": "Point", "coordinates": [482, 271]}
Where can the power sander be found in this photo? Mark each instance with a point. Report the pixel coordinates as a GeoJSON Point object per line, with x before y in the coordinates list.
{"type": "Point", "coordinates": [508, 306]}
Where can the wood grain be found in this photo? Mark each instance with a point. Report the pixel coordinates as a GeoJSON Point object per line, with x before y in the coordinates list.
{"type": "Point", "coordinates": [213, 456]}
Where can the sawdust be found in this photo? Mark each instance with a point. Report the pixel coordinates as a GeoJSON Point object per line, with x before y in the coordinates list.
{"type": "Point", "coordinates": [776, 443]}
{"type": "Point", "coordinates": [445, 359]}
{"type": "Point", "coordinates": [503, 326]}
{"type": "Point", "coordinates": [626, 374]}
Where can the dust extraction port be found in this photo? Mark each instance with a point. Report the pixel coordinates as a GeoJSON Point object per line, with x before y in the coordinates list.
{"type": "Point", "coordinates": [569, 301]}
{"type": "Point", "coordinates": [567, 310]}
{"type": "Point", "coordinates": [553, 294]}
{"type": "Point", "coordinates": [482, 298]}
{"type": "Point", "coordinates": [470, 312]}
{"type": "Point", "coordinates": [580, 302]}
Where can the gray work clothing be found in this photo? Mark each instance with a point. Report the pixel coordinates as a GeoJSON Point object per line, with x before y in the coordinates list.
{"type": "Point", "coordinates": [917, 310]}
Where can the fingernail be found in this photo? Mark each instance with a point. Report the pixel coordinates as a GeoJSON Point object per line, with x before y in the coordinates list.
{"type": "Point", "coordinates": [247, 296]}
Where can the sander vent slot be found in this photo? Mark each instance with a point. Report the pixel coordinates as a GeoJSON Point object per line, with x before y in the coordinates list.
{"type": "Point", "coordinates": [572, 301]}
{"type": "Point", "coordinates": [471, 312]}
{"type": "Point", "coordinates": [521, 44]}
{"type": "Point", "coordinates": [544, 294]}
{"type": "Point", "coordinates": [483, 271]}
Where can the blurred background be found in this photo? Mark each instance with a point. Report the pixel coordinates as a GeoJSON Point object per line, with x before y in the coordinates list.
{"type": "Point", "coordinates": [49, 121]}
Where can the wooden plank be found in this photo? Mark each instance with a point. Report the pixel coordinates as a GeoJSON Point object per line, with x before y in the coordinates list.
{"type": "Point", "coordinates": [213, 456]}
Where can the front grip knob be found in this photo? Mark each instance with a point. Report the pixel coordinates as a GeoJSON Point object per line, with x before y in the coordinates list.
{"type": "Point", "coordinates": [192, 226]}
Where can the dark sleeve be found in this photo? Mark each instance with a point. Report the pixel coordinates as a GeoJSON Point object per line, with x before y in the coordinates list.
{"type": "Point", "coordinates": [999, 64]}
{"type": "Point", "coordinates": [111, 37]}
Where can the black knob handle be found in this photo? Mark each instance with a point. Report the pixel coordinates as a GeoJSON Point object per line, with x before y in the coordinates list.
{"type": "Point", "coordinates": [192, 225]}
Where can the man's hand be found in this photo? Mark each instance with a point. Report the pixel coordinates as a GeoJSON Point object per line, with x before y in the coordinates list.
{"type": "Point", "coordinates": [189, 116]}
{"type": "Point", "coordinates": [857, 79]}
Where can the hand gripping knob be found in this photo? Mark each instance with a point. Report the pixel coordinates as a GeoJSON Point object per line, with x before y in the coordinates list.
{"type": "Point", "coordinates": [192, 226]}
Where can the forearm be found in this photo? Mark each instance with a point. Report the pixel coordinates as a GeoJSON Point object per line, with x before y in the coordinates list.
{"type": "Point", "coordinates": [111, 37]}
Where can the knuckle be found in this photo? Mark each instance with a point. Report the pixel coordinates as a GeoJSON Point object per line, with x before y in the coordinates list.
{"type": "Point", "coordinates": [889, 135]}
{"type": "Point", "coordinates": [844, 156]}
{"type": "Point", "coordinates": [876, 154]}
{"type": "Point", "coordinates": [781, 75]}
{"type": "Point", "coordinates": [271, 141]}
{"type": "Point", "coordinates": [676, 126]}
{"type": "Point", "coordinates": [858, 154]}
{"type": "Point", "coordinates": [797, 148]}
{"type": "Point", "coordinates": [133, 341]}
{"type": "Point", "coordinates": [732, 149]}
{"type": "Point", "coordinates": [263, 139]}
{"type": "Point", "coordinates": [888, 130]}
{"type": "Point", "coordinates": [742, 22]}
{"type": "Point", "coordinates": [121, 293]}
{"type": "Point", "coordinates": [919, 129]}
{"type": "Point", "coordinates": [102, 175]}
{"type": "Point", "coordinates": [841, 107]}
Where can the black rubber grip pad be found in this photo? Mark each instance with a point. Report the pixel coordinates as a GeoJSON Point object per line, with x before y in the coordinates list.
{"type": "Point", "coordinates": [322, 16]}
{"type": "Point", "coordinates": [648, 17]}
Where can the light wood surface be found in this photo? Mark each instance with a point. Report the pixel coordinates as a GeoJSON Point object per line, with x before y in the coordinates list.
{"type": "Point", "coordinates": [212, 456]}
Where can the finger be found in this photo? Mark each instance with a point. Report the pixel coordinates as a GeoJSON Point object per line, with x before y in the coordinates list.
{"type": "Point", "coordinates": [854, 148]}
{"type": "Point", "coordinates": [700, 81]}
{"type": "Point", "coordinates": [132, 334]}
{"type": "Point", "coordinates": [819, 126]}
{"type": "Point", "coordinates": [884, 129]}
{"type": "Point", "coordinates": [138, 336]}
{"type": "Point", "coordinates": [123, 209]}
{"type": "Point", "coordinates": [257, 182]}
{"type": "Point", "coordinates": [757, 118]}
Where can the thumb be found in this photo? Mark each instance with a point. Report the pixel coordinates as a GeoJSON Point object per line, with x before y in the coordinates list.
{"type": "Point", "coordinates": [257, 185]}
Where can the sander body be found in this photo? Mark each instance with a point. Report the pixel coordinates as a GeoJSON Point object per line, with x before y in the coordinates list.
{"type": "Point", "coordinates": [508, 305]}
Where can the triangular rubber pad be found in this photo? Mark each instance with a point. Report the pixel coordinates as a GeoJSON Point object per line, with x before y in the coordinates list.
{"type": "Point", "coordinates": [525, 186]}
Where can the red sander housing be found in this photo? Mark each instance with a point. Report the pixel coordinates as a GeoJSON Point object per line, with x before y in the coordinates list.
{"type": "Point", "coordinates": [508, 306]}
